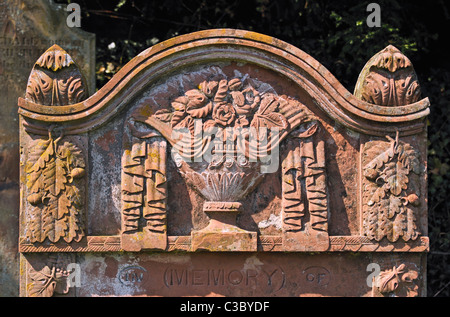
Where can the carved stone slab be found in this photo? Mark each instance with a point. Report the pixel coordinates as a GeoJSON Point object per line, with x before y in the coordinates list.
{"type": "Point", "coordinates": [239, 152]}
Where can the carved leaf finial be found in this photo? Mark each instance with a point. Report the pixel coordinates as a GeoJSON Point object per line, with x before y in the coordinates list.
{"type": "Point", "coordinates": [55, 58]}
{"type": "Point", "coordinates": [56, 80]}
{"type": "Point", "coordinates": [388, 79]}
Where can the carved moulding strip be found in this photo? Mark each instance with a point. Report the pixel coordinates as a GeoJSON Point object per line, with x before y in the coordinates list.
{"type": "Point", "coordinates": [266, 243]}
{"type": "Point", "coordinates": [90, 244]}
{"type": "Point", "coordinates": [332, 97]}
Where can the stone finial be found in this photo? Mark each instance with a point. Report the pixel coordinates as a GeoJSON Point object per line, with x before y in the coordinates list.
{"type": "Point", "coordinates": [56, 80]}
{"type": "Point", "coordinates": [388, 79]}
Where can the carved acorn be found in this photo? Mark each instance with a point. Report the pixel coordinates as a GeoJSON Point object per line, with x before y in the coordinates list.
{"type": "Point", "coordinates": [413, 199]}
{"type": "Point", "coordinates": [35, 199]}
{"type": "Point", "coordinates": [371, 173]}
{"type": "Point", "coordinates": [77, 172]}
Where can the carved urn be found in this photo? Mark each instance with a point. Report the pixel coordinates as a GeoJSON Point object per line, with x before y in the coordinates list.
{"type": "Point", "coordinates": [225, 137]}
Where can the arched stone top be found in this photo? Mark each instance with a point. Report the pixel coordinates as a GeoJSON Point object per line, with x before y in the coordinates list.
{"type": "Point", "coordinates": [228, 45]}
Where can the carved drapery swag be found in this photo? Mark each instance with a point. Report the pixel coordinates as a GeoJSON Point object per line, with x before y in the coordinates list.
{"type": "Point", "coordinates": [304, 185]}
{"type": "Point", "coordinates": [144, 189]}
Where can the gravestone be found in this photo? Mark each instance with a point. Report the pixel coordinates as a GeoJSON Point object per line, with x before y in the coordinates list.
{"type": "Point", "coordinates": [27, 29]}
{"type": "Point", "coordinates": [223, 163]}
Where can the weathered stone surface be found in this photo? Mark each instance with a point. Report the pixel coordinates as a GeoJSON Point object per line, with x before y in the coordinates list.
{"type": "Point", "coordinates": [27, 29]}
{"type": "Point", "coordinates": [249, 159]}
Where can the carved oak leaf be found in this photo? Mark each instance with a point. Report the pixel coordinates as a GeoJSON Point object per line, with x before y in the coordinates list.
{"type": "Point", "coordinates": [266, 117]}
{"type": "Point", "coordinates": [55, 198]}
{"type": "Point", "coordinates": [379, 194]}
{"type": "Point", "coordinates": [407, 155]}
{"type": "Point", "coordinates": [380, 159]}
{"type": "Point", "coordinates": [396, 177]}
{"type": "Point", "coordinates": [399, 281]}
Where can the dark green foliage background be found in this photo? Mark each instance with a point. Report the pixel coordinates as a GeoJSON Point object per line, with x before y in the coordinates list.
{"type": "Point", "coordinates": [333, 32]}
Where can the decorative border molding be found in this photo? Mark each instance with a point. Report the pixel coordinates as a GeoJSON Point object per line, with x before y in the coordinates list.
{"type": "Point", "coordinates": [266, 243]}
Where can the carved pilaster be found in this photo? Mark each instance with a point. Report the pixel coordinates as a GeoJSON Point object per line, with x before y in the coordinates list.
{"type": "Point", "coordinates": [390, 169]}
{"type": "Point", "coordinates": [55, 167]}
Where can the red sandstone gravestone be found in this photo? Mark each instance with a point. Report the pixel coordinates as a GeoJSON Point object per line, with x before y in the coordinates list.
{"type": "Point", "coordinates": [238, 151]}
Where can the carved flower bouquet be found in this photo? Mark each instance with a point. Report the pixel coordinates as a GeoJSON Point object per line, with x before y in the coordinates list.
{"type": "Point", "coordinates": [225, 131]}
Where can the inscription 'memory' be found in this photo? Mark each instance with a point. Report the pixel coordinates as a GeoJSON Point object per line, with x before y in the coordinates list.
{"type": "Point", "coordinates": [178, 277]}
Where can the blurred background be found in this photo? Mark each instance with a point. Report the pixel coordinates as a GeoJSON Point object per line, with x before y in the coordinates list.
{"type": "Point", "coordinates": [333, 32]}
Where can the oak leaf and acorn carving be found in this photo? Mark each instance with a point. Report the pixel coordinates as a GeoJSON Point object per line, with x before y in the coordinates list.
{"type": "Point", "coordinates": [53, 189]}
{"type": "Point", "coordinates": [389, 198]}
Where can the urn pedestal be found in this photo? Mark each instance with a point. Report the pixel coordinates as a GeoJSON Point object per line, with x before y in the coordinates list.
{"type": "Point", "coordinates": [222, 232]}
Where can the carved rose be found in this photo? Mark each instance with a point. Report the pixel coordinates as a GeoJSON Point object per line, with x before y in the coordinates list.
{"type": "Point", "coordinates": [223, 114]}
{"type": "Point", "coordinates": [209, 88]}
